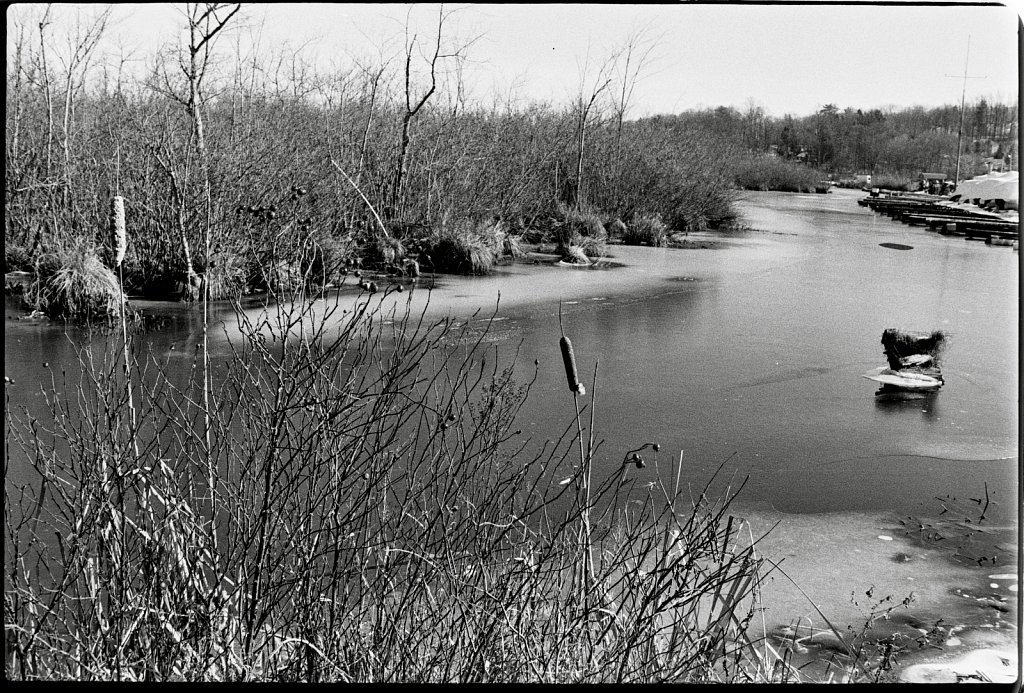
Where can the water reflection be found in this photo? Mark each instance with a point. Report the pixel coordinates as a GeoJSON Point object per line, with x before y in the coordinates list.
{"type": "Point", "coordinates": [893, 400]}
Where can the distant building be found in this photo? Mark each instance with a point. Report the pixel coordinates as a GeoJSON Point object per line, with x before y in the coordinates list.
{"type": "Point", "coordinates": [993, 165]}
{"type": "Point", "coordinates": [933, 183]}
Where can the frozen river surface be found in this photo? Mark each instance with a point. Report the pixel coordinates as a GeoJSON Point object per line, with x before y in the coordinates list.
{"type": "Point", "coordinates": [751, 351]}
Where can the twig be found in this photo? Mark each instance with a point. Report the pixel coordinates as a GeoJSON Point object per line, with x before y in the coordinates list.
{"type": "Point", "coordinates": [380, 222]}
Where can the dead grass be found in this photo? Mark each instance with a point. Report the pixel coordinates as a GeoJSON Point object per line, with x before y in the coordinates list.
{"type": "Point", "coordinates": [73, 283]}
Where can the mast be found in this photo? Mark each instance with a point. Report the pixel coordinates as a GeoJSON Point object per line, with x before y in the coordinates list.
{"type": "Point", "coordinates": [960, 131]}
{"type": "Point", "coordinates": [963, 97]}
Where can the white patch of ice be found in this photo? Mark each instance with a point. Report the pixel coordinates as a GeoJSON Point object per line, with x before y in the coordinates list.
{"type": "Point", "coordinates": [996, 666]}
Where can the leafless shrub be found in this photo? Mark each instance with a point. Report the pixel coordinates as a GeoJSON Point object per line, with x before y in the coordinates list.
{"type": "Point", "coordinates": [375, 517]}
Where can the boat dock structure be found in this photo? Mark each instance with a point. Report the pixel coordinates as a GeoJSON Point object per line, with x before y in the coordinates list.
{"type": "Point", "coordinates": [970, 212]}
{"type": "Point", "coordinates": [947, 220]}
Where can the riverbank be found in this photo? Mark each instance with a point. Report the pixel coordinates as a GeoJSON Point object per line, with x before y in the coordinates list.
{"type": "Point", "coordinates": [536, 277]}
{"type": "Point", "coordinates": [538, 284]}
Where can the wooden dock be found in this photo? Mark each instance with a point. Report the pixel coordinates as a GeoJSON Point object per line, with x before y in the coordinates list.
{"type": "Point", "coordinates": [945, 219]}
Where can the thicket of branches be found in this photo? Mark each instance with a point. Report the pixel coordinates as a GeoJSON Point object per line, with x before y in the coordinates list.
{"type": "Point", "coordinates": [352, 502]}
{"type": "Point", "coordinates": [211, 148]}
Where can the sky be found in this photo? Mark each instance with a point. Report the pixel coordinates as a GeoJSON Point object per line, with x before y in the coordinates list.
{"type": "Point", "coordinates": [786, 59]}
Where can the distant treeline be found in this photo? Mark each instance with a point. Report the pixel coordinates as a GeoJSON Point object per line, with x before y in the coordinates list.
{"type": "Point", "coordinates": [899, 142]}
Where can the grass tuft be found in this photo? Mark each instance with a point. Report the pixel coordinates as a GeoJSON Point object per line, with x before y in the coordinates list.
{"type": "Point", "coordinates": [645, 230]}
{"type": "Point", "coordinates": [73, 283]}
{"type": "Point", "coordinates": [465, 247]}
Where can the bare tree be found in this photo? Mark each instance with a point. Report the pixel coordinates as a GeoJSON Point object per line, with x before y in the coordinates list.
{"type": "Point", "coordinates": [81, 46]}
{"type": "Point", "coordinates": [630, 66]}
{"type": "Point", "coordinates": [43, 24]}
{"type": "Point", "coordinates": [205, 22]}
{"type": "Point", "coordinates": [633, 61]}
{"type": "Point", "coordinates": [585, 100]}
{"type": "Point", "coordinates": [15, 103]}
{"type": "Point", "coordinates": [372, 77]}
{"type": "Point", "coordinates": [414, 104]}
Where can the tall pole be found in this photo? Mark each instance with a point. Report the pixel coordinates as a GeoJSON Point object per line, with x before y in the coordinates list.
{"type": "Point", "coordinates": [960, 131]}
{"type": "Point", "coordinates": [963, 98]}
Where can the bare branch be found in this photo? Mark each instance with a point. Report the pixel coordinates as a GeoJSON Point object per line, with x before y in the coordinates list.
{"type": "Point", "coordinates": [211, 12]}
{"type": "Point", "coordinates": [380, 222]}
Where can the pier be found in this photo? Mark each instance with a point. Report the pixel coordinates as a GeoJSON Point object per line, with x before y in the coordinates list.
{"type": "Point", "coordinates": [948, 220]}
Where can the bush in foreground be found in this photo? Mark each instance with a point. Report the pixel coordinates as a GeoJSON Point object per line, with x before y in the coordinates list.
{"type": "Point", "coordinates": [376, 518]}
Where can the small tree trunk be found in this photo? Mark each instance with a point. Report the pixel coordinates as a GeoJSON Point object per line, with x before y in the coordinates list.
{"type": "Point", "coordinates": [46, 90]}
{"type": "Point", "coordinates": [579, 161]}
{"type": "Point", "coordinates": [401, 168]}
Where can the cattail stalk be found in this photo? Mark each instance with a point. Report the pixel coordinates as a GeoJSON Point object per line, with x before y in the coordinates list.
{"type": "Point", "coordinates": [586, 567]}
{"type": "Point", "coordinates": [117, 227]}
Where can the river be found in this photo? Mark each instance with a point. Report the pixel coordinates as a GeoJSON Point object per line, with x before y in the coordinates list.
{"type": "Point", "coordinates": [751, 351]}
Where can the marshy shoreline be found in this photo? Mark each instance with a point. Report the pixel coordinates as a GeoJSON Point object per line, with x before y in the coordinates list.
{"type": "Point", "coordinates": [620, 270]}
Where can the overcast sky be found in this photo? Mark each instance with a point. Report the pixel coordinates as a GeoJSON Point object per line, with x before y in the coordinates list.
{"type": "Point", "coordinates": [783, 58]}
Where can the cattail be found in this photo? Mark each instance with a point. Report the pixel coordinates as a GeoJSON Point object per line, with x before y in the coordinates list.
{"type": "Point", "coordinates": [569, 359]}
{"type": "Point", "coordinates": [118, 229]}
